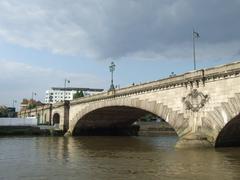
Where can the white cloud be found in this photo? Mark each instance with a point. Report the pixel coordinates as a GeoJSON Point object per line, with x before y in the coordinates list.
{"type": "Point", "coordinates": [100, 29]}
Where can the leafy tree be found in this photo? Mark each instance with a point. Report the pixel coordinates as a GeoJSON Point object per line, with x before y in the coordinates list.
{"type": "Point", "coordinates": [3, 111]}
{"type": "Point", "coordinates": [78, 94]}
{"type": "Point", "coordinates": [31, 106]}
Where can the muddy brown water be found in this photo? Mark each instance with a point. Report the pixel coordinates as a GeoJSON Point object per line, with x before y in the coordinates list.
{"type": "Point", "coordinates": [110, 158]}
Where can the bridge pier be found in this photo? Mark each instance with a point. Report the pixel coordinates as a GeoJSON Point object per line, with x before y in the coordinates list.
{"type": "Point", "coordinates": [193, 140]}
{"type": "Point", "coordinates": [68, 134]}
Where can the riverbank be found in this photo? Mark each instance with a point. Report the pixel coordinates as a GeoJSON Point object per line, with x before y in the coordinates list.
{"type": "Point", "coordinates": [28, 131]}
{"type": "Point", "coordinates": [139, 129]}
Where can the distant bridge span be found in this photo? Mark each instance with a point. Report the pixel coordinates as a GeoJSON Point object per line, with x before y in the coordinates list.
{"type": "Point", "coordinates": [202, 106]}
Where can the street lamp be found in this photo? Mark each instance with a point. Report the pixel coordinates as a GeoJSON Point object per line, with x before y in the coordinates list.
{"type": "Point", "coordinates": [112, 69]}
{"type": "Point", "coordinates": [33, 94]}
{"type": "Point", "coordinates": [172, 74]}
{"type": "Point", "coordinates": [65, 85]}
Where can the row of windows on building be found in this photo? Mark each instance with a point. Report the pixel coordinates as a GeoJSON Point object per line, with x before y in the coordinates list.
{"type": "Point", "coordinates": [58, 93]}
{"type": "Point", "coordinates": [57, 97]}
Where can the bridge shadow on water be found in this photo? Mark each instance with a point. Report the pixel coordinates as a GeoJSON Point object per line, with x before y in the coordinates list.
{"type": "Point", "coordinates": [121, 143]}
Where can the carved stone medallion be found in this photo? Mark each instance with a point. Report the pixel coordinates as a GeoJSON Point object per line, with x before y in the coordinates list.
{"type": "Point", "coordinates": [195, 100]}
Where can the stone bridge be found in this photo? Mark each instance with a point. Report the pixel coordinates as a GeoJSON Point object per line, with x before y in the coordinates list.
{"type": "Point", "coordinates": [202, 106]}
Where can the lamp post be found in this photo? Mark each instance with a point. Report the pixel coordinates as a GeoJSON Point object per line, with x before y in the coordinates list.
{"type": "Point", "coordinates": [195, 36]}
{"type": "Point", "coordinates": [33, 94]}
{"type": "Point", "coordinates": [172, 74]}
{"type": "Point", "coordinates": [65, 85]}
{"type": "Point", "coordinates": [112, 69]}
{"type": "Point", "coordinates": [31, 103]}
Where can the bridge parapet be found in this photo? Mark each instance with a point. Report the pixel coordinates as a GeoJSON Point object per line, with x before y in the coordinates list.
{"type": "Point", "coordinates": [44, 113]}
{"type": "Point", "coordinates": [37, 109]}
{"type": "Point", "coordinates": [188, 80]}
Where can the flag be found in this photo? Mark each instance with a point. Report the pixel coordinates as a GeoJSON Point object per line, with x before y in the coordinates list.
{"type": "Point", "coordinates": [67, 81]}
{"type": "Point", "coordinates": [196, 34]}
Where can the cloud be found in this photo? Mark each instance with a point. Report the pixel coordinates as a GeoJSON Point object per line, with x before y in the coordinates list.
{"type": "Point", "coordinates": [100, 29]}
{"type": "Point", "coordinates": [20, 80]}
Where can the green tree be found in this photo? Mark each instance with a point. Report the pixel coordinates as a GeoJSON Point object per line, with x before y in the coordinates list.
{"type": "Point", "coordinates": [3, 111]}
{"type": "Point", "coordinates": [31, 106]}
{"type": "Point", "coordinates": [78, 94]}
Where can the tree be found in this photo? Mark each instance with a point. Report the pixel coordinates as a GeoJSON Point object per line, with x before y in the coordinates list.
{"type": "Point", "coordinates": [3, 111]}
{"type": "Point", "coordinates": [78, 94]}
{"type": "Point", "coordinates": [31, 106]}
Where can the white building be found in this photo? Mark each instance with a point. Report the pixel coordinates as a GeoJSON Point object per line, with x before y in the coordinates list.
{"type": "Point", "coordinates": [56, 94]}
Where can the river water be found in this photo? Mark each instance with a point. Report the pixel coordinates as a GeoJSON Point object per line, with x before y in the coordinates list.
{"type": "Point", "coordinates": [110, 158]}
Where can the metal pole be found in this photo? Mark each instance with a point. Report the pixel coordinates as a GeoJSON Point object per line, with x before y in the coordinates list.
{"type": "Point", "coordinates": [64, 89]}
{"type": "Point", "coordinates": [112, 68]}
{"type": "Point", "coordinates": [112, 79]}
{"type": "Point", "coordinates": [33, 94]}
{"type": "Point", "coordinates": [194, 53]}
{"type": "Point", "coordinates": [65, 86]}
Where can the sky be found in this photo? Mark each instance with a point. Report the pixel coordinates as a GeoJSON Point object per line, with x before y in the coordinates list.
{"type": "Point", "coordinates": [43, 42]}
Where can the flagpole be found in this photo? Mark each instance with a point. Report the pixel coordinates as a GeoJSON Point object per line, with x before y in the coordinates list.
{"type": "Point", "coordinates": [65, 85]}
{"type": "Point", "coordinates": [194, 53]}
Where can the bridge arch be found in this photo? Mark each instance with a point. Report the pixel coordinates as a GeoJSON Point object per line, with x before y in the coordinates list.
{"type": "Point", "coordinates": [56, 118]}
{"type": "Point", "coordinates": [133, 107]}
{"type": "Point", "coordinates": [229, 136]}
{"type": "Point", "coordinates": [223, 123]}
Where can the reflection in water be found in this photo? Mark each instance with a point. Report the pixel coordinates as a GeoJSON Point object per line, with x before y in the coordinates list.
{"type": "Point", "coordinates": [112, 158]}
